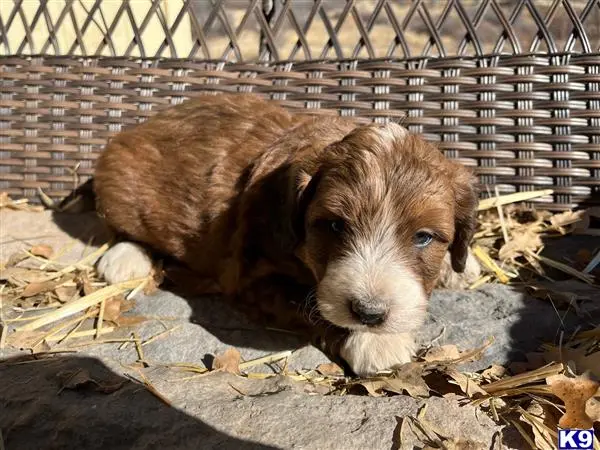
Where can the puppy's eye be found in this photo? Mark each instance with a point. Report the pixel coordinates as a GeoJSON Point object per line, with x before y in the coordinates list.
{"type": "Point", "coordinates": [337, 226]}
{"type": "Point", "coordinates": [423, 239]}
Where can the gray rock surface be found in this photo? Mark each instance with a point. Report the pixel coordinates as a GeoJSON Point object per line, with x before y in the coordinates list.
{"type": "Point", "coordinates": [225, 411]}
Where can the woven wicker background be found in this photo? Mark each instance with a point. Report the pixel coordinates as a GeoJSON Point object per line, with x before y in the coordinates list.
{"type": "Point", "coordinates": [511, 88]}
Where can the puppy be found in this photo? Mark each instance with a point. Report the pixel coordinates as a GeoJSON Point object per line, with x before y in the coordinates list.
{"type": "Point", "coordinates": [348, 223]}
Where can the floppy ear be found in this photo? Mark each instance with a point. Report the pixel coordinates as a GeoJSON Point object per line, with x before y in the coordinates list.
{"type": "Point", "coordinates": [465, 222]}
{"type": "Point", "coordinates": [273, 211]}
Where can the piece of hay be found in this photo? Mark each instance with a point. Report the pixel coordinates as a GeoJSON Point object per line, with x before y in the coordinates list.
{"type": "Point", "coordinates": [488, 262]}
{"type": "Point", "coordinates": [81, 304]}
{"type": "Point", "coordinates": [542, 422]}
{"type": "Point", "coordinates": [493, 202]}
{"type": "Point", "coordinates": [268, 359]}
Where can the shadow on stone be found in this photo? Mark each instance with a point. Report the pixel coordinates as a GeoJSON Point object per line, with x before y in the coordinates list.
{"type": "Point", "coordinates": [230, 325]}
{"type": "Point", "coordinates": [554, 318]}
{"type": "Point", "coordinates": [38, 413]}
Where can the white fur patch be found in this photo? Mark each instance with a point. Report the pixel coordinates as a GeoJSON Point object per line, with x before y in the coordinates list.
{"type": "Point", "coordinates": [449, 279]}
{"type": "Point", "coordinates": [373, 270]}
{"type": "Point", "coordinates": [391, 132]}
{"type": "Point", "coordinates": [368, 353]}
{"type": "Point", "coordinates": [124, 261]}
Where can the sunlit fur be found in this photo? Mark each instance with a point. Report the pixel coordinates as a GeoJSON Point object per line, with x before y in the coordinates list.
{"type": "Point", "coordinates": [239, 190]}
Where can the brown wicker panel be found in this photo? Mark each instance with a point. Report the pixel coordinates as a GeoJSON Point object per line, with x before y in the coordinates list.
{"type": "Point", "coordinates": [523, 122]}
{"type": "Point", "coordinates": [276, 30]}
{"type": "Point", "coordinates": [509, 87]}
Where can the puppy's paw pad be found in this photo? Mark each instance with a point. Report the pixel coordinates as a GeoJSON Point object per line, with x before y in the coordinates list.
{"type": "Point", "coordinates": [124, 261]}
{"type": "Point", "coordinates": [368, 353]}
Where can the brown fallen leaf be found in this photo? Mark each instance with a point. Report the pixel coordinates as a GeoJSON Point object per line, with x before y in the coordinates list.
{"type": "Point", "coordinates": [24, 339]}
{"type": "Point", "coordinates": [16, 258]}
{"type": "Point", "coordinates": [442, 353]}
{"type": "Point", "coordinates": [85, 283]}
{"type": "Point", "coordinates": [228, 361]}
{"type": "Point", "coordinates": [575, 393]}
{"type": "Point", "coordinates": [45, 251]}
{"type": "Point", "coordinates": [493, 373]}
{"type": "Point", "coordinates": [66, 293]}
{"type": "Point", "coordinates": [331, 369]}
{"type": "Point", "coordinates": [592, 407]}
{"type": "Point", "coordinates": [467, 385]}
{"type": "Point", "coordinates": [81, 379]}
{"type": "Point", "coordinates": [406, 378]}
{"type": "Point", "coordinates": [19, 275]}
{"type": "Point", "coordinates": [127, 321]}
{"type": "Point", "coordinates": [157, 277]}
{"type": "Point", "coordinates": [39, 288]}
{"type": "Point", "coordinates": [583, 359]}
{"type": "Point", "coordinates": [542, 419]}
{"type": "Point", "coordinates": [112, 308]}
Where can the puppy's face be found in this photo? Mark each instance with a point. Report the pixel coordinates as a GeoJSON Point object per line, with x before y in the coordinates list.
{"type": "Point", "coordinates": [384, 210]}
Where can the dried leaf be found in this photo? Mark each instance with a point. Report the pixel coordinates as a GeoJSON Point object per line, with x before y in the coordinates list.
{"type": "Point", "coordinates": [127, 321]}
{"type": "Point", "coordinates": [520, 242]}
{"type": "Point", "coordinates": [66, 293]}
{"type": "Point", "coordinates": [16, 258]}
{"type": "Point", "coordinates": [574, 392]}
{"type": "Point", "coordinates": [86, 285]}
{"type": "Point", "coordinates": [228, 361]}
{"type": "Point", "coordinates": [406, 378]}
{"type": "Point", "coordinates": [156, 279]}
{"type": "Point", "coordinates": [493, 373]}
{"type": "Point", "coordinates": [580, 357]}
{"type": "Point", "coordinates": [542, 420]}
{"type": "Point", "coordinates": [112, 308]}
{"type": "Point", "coordinates": [331, 369]}
{"type": "Point", "coordinates": [81, 379]}
{"type": "Point", "coordinates": [467, 385]}
{"type": "Point", "coordinates": [39, 288]}
{"type": "Point", "coordinates": [45, 251]}
{"type": "Point", "coordinates": [566, 218]}
{"type": "Point", "coordinates": [443, 353]}
{"type": "Point", "coordinates": [24, 339]}
{"type": "Point", "coordinates": [19, 275]}
{"type": "Point", "coordinates": [592, 408]}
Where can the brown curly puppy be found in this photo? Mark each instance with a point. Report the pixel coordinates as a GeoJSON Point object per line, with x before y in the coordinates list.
{"type": "Point", "coordinates": [255, 199]}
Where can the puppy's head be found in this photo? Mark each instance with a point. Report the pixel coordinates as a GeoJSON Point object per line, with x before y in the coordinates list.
{"type": "Point", "coordinates": [380, 210]}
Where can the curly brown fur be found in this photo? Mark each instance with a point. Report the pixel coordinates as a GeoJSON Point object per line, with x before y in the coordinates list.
{"type": "Point", "coordinates": [241, 191]}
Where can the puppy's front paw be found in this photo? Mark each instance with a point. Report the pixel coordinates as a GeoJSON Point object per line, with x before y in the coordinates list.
{"type": "Point", "coordinates": [124, 261]}
{"type": "Point", "coordinates": [449, 279]}
{"type": "Point", "coordinates": [367, 353]}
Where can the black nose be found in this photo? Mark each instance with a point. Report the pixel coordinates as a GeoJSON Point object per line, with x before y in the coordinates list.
{"type": "Point", "coordinates": [368, 313]}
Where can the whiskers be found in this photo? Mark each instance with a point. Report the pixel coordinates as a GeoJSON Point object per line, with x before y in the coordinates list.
{"type": "Point", "coordinates": [309, 309]}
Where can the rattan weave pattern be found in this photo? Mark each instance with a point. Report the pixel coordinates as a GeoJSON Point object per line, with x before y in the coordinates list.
{"type": "Point", "coordinates": [508, 87]}
{"type": "Point", "coordinates": [276, 30]}
{"type": "Point", "coordinates": [522, 122]}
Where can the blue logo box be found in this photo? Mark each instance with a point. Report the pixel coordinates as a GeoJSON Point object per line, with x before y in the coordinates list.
{"type": "Point", "coordinates": [575, 439]}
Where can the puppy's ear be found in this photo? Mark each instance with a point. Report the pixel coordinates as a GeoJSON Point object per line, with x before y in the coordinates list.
{"type": "Point", "coordinates": [273, 212]}
{"type": "Point", "coordinates": [304, 186]}
{"type": "Point", "coordinates": [465, 222]}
